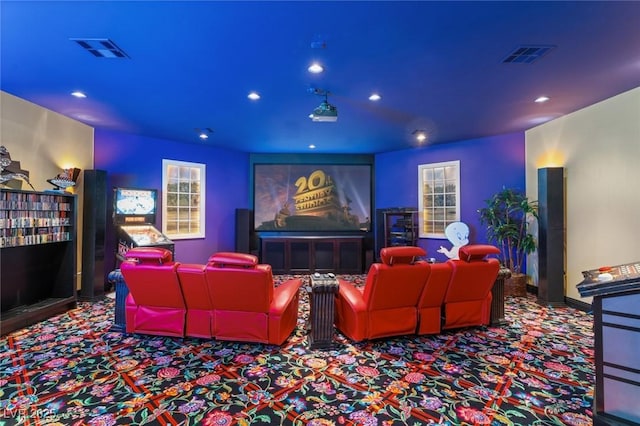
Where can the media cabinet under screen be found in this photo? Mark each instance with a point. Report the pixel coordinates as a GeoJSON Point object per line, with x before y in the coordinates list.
{"type": "Point", "coordinates": [301, 255]}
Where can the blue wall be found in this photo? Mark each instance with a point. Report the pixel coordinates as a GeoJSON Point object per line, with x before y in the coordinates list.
{"type": "Point", "coordinates": [136, 161]}
{"type": "Point", "coordinates": [486, 165]}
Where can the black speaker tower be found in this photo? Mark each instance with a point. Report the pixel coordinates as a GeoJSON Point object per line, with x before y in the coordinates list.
{"type": "Point", "coordinates": [94, 223]}
{"type": "Point", "coordinates": [551, 233]}
{"type": "Point", "coordinates": [244, 232]}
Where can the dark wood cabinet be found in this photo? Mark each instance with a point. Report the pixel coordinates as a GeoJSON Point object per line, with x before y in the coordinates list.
{"type": "Point", "coordinates": [396, 227]}
{"type": "Point", "coordinates": [38, 255]}
{"type": "Point", "coordinates": [302, 255]}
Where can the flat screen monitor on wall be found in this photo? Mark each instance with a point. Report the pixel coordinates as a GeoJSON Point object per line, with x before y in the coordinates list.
{"type": "Point", "coordinates": [312, 197]}
{"type": "Point", "coordinates": [131, 205]}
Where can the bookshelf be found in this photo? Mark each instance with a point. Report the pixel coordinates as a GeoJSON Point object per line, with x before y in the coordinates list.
{"type": "Point", "coordinates": [37, 256]}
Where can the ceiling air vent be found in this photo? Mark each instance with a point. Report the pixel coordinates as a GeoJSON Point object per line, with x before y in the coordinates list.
{"type": "Point", "coordinates": [101, 47]}
{"type": "Point", "coordinates": [526, 54]}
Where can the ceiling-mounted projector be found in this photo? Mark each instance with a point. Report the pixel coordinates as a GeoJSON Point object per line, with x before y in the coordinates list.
{"type": "Point", "coordinates": [325, 111]}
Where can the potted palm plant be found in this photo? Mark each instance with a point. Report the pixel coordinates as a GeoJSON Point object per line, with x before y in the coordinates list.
{"type": "Point", "coordinates": [506, 217]}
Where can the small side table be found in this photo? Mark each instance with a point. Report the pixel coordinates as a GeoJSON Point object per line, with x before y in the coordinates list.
{"type": "Point", "coordinates": [497, 301]}
{"type": "Point", "coordinates": [323, 289]}
{"type": "Point", "coordinates": [122, 291]}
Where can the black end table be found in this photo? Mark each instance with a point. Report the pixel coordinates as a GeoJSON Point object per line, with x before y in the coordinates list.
{"type": "Point", "coordinates": [497, 302]}
{"type": "Point", "coordinates": [323, 290]}
{"type": "Point", "coordinates": [122, 291]}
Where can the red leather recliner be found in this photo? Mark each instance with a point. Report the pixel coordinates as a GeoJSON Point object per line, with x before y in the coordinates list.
{"type": "Point", "coordinates": [199, 320]}
{"type": "Point", "coordinates": [246, 305]}
{"type": "Point", "coordinates": [155, 304]}
{"type": "Point", "coordinates": [387, 306]}
{"type": "Point", "coordinates": [432, 298]}
{"type": "Point", "coordinates": [468, 298]}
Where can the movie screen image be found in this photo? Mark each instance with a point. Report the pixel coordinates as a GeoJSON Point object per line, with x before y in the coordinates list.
{"type": "Point", "coordinates": [306, 197]}
{"type": "Point", "coordinates": [135, 202]}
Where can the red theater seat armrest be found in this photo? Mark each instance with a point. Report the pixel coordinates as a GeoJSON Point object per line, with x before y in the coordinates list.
{"type": "Point", "coordinates": [352, 296]}
{"type": "Point", "coordinates": [283, 295]}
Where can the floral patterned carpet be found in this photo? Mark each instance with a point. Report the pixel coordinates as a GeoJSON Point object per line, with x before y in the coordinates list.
{"type": "Point", "coordinates": [71, 370]}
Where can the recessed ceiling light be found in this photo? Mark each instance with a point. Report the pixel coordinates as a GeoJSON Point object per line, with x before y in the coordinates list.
{"type": "Point", "coordinates": [312, 146]}
{"type": "Point", "coordinates": [420, 135]}
{"type": "Point", "coordinates": [315, 68]}
{"type": "Point", "coordinates": [78, 94]}
{"type": "Point", "coordinates": [542, 99]}
{"type": "Point", "coordinates": [204, 133]}
{"type": "Point", "coordinates": [254, 96]}
{"type": "Point", "coordinates": [375, 97]}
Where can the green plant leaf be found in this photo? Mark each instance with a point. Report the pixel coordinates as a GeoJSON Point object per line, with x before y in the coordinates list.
{"type": "Point", "coordinates": [505, 216]}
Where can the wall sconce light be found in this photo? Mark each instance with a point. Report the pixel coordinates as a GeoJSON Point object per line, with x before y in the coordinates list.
{"type": "Point", "coordinates": [67, 179]}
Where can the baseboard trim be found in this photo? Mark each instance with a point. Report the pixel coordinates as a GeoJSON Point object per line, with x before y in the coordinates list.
{"type": "Point", "coordinates": [577, 304]}
{"type": "Point", "coordinates": [572, 303]}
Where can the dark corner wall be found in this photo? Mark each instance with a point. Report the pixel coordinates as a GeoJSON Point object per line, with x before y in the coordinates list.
{"type": "Point", "coordinates": [486, 165]}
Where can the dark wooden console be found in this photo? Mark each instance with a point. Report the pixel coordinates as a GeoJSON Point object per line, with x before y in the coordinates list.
{"type": "Point", "coordinates": [303, 255]}
{"type": "Point", "coordinates": [616, 332]}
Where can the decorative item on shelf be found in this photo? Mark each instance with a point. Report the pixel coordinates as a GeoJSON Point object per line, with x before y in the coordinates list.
{"type": "Point", "coordinates": [10, 171]}
{"type": "Point", "coordinates": [5, 158]}
{"type": "Point", "coordinates": [65, 180]}
{"type": "Point", "coordinates": [505, 216]}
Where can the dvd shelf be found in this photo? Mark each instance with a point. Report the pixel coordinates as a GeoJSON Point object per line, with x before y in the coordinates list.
{"type": "Point", "coordinates": [33, 218]}
{"type": "Point", "coordinates": [37, 240]}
